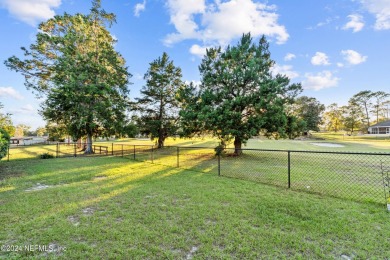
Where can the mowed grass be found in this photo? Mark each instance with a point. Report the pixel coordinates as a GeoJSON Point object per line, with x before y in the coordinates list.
{"type": "Point", "coordinates": [350, 144]}
{"type": "Point", "coordinates": [114, 208]}
{"type": "Point", "coordinates": [356, 177]}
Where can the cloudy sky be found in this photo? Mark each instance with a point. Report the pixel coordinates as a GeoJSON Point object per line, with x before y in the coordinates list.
{"type": "Point", "coordinates": [335, 48]}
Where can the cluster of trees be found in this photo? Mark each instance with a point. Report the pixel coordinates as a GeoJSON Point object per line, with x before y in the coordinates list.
{"type": "Point", "coordinates": [6, 122]}
{"type": "Point", "coordinates": [6, 129]}
{"type": "Point", "coordinates": [84, 82]}
{"type": "Point", "coordinates": [363, 110]}
{"type": "Point", "coordinates": [238, 98]}
{"type": "Point", "coordinates": [25, 130]}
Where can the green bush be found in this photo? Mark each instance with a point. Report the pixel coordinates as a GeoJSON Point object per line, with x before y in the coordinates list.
{"type": "Point", "coordinates": [4, 142]}
{"type": "Point", "coordinates": [46, 156]}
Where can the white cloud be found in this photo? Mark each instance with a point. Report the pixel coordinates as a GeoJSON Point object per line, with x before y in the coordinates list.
{"type": "Point", "coordinates": [196, 83]}
{"type": "Point", "coordinates": [198, 50]}
{"type": "Point", "coordinates": [320, 58]}
{"type": "Point", "coordinates": [353, 57]}
{"type": "Point", "coordinates": [319, 81]}
{"type": "Point", "coordinates": [381, 10]}
{"type": "Point", "coordinates": [222, 21]}
{"type": "Point", "coordinates": [284, 70]}
{"type": "Point", "coordinates": [28, 109]}
{"type": "Point", "coordinates": [30, 11]}
{"type": "Point", "coordinates": [355, 23]}
{"type": "Point", "coordinates": [326, 22]}
{"type": "Point", "coordinates": [138, 76]}
{"type": "Point", "coordinates": [10, 92]}
{"type": "Point", "coordinates": [340, 65]}
{"type": "Point", "coordinates": [182, 17]}
{"type": "Point", "coordinates": [140, 7]}
{"type": "Point", "coordinates": [289, 56]}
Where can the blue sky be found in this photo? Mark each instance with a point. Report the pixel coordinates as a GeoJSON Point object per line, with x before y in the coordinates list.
{"type": "Point", "coordinates": [335, 48]}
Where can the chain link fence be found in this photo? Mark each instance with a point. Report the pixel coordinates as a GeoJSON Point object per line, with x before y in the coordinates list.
{"type": "Point", "coordinates": [356, 176]}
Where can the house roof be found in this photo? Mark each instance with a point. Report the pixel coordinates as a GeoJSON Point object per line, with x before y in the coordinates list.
{"type": "Point", "coordinates": [384, 123]}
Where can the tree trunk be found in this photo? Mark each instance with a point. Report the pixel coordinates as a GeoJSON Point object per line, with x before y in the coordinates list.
{"type": "Point", "coordinates": [367, 115]}
{"type": "Point", "coordinates": [160, 143]}
{"type": "Point", "coordinates": [89, 149]}
{"type": "Point", "coordinates": [377, 115]}
{"type": "Point", "coordinates": [161, 139]}
{"type": "Point", "coordinates": [237, 146]}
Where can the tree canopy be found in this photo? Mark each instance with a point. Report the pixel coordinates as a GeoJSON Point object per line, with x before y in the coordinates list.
{"type": "Point", "coordinates": [310, 110]}
{"type": "Point", "coordinates": [333, 118]}
{"type": "Point", "coordinates": [4, 143]}
{"type": "Point", "coordinates": [6, 129]}
{"type": "Point", "coordinates": [352, 116]}
{"type": "Point", "coordinates": [158, 105]}
{"type": "Point", "coordinates": [238, 95]}
{"type": "Point", "coordinates": [74, 65]}
{"type": "Point", "coordinates": [6, 123]}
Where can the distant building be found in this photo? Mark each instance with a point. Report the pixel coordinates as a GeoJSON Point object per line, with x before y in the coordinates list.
{"type": "Point", "coordinates": [28, 140]}
{"type": "Point", "coordinates": [380, 128]}
{"type": "Point", "coordinates": [20, 140]}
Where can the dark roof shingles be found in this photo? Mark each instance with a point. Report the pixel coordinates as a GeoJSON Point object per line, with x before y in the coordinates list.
{"type": "Point", "coordinates": [384, 123]}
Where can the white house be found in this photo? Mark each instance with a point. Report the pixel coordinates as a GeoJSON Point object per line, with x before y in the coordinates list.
{"type": "Point", "coordinates": [380, 128]}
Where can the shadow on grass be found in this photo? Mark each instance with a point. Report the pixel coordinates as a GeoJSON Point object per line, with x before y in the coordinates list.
{"type": "Point", "coordinates": [97, 181]}
{"type": "Point", "coordinates": [30, 152]}
{"type": "Point", "coordinates": [145, 210]}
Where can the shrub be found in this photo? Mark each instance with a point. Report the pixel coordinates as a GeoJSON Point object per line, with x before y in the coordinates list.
{"type": "Point", "coordinates": [46, 156]}
{"type": "Point", "coordinates": [220, 149]}
{"type": "Point", "coordinates": [4, 142]}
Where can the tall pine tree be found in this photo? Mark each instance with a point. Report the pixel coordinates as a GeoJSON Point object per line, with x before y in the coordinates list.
{"type": "Point", "coordinates": [238, 95]}
{"type": "Point", "coordinates": [158, 105]}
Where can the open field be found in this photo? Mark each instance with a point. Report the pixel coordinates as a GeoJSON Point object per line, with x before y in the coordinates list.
{"type": "Point", "coordinates": [351, 176]}
{"type": "Point", "coordinates": [351, 145]}
{"type": "Point", "coordinates": [116, 208]}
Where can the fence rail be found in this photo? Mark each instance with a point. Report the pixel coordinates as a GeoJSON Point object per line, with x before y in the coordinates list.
{"type": "Point", "coordinates": [351, 175]}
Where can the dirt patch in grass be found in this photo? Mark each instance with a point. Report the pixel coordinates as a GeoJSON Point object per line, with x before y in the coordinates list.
{"type": "Point", "coordinates": [328, 145]}
{"type": "Point", "coordinates": [38, 186]}
{"type": "Point", "coordinates": [75, 220]}
{"type": "Point", "coordinates": [88, 211]}
{"type": "Point", "coordinates": [193, 250]}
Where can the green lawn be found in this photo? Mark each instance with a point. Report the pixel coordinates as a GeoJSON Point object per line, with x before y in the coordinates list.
{"type": "Point", "coordinates": [112, 208]}
{"type": "Point", "coordinates": [351, 144]}
{"type": "Point", "coordinates": [357, 177]}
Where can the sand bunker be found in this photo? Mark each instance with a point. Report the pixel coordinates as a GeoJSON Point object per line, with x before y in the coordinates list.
{"type": "Point", "coordinates": [328, 144]}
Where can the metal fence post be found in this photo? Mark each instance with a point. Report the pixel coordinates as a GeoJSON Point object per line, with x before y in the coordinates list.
{"type": "Point", "coordinates": [177, 153]}
{"type": "Point", "coordinates": [112, 148]}
{"type": "Point", "coordinates": [75, 150]}
{"type": "Point", "coordinates": [219, 164]}
{"type": "Point", "coordinates": [289, 169]}
{"type": "Point", "coordinates": [152, 153]}
{"type": "Point", "coordinates": [57, 151]}
{"type": "Point", "coordinates": [134, 153]}
{"type": "Point", "coordinates": [122, 150]}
